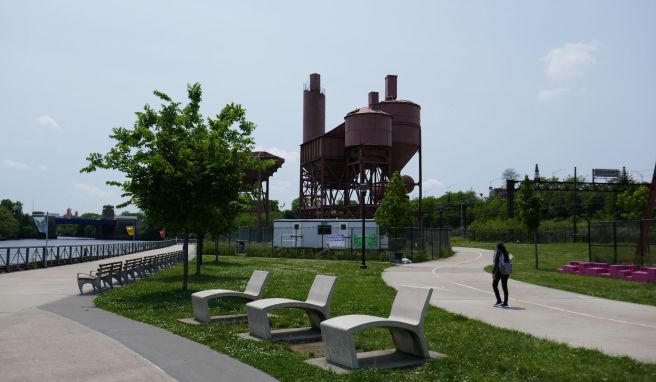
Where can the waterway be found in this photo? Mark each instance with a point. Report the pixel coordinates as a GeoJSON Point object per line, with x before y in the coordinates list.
{"type": "Point", "coordinates": [62, 240]}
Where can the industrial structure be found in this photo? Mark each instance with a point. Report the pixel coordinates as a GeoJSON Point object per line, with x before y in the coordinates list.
{"type": "Point", "coordinates": [352, 163]}
{"type": "Point", "coordinates": [257, 182]}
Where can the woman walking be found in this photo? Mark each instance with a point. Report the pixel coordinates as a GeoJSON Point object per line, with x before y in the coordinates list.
{"type": "Point", "coordinates": [501, 255]}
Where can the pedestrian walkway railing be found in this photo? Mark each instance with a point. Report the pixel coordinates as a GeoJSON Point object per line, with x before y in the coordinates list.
{"type": "Point", "coordinates": [30, 257]}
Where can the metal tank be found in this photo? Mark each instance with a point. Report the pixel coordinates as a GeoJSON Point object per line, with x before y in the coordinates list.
{"type": "Point", "coordinates": [368, 127]}
{"type": "Point", "coordinates": [314, 109]}
{"type": "Point", "coordinates": [406, 125]}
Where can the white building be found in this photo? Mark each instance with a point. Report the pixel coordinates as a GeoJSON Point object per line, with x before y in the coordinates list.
{"type": "Point", "coordinates": [326, 233]}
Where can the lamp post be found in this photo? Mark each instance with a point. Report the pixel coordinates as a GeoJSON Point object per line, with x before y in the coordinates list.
{"type": "Point", "coordinates": [362, 188]}
{"type": "Point", "coordinates": [441, 212]}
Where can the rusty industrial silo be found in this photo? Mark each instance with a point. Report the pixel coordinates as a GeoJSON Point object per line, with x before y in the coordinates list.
{"type": "Point", "coordinates": [372, 143]}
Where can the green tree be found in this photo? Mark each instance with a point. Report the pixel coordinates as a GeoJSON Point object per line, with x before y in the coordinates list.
{"type": "Point", "coordinates": [183, 171]}
{"type": "Point", "coordinates": [530, 207]}
{"type": "Point", "coordinates": [395, 212]}
{"type": "Point", "coordinates": [631, 203]}
{"type": "Point", "coordinates": [9, 226]}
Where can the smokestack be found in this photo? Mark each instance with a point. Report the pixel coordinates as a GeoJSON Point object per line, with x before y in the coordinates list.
{"type": "Point", "coordinates": [315, 82]}
{"type": "Point", "coordinates": [390, 87]}
{"type": "Point", "coordinates": [314, 109]}
{"type": "Point", "coordinates": [373, 100]}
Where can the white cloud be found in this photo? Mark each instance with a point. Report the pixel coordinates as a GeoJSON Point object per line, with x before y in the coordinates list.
{"type": "Point", "coordinates": [432, 184]}
{"type": "Point", "coordinates": [89, 190]}
{"type": "Point", "coordinates": [570, 60]}
{"type": "Point", "coordinates": [550, 94]}
{"type": "Point", "coordinates": [15, 165]}
{"type": "Point", "coordinates": [43, 168]}
{"type": "Point", "coordinates": [288, 156]}
{"type": "Point", "coordinates": [49, 122]}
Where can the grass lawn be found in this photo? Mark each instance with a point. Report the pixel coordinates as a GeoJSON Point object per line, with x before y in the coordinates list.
{"type": "Point", "coordinates": [475, 350]}
{"type": "Point", "coordinates": [553, 256]}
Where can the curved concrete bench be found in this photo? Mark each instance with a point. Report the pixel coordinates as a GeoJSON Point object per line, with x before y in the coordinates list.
{"type": "Point", "coordinates": [405, 323]}
{"type": "Point", "coordinates": [317, 307]}
{"type": "Point", "coordinates": [254, 291]}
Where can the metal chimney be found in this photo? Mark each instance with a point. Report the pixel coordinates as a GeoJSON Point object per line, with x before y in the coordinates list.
{"type": "Point", "coordinates": [390, 87]}
{"type": "Point", "coordinates": [314, 109]}
{"type": "Point", "coordinates": [373, 100]}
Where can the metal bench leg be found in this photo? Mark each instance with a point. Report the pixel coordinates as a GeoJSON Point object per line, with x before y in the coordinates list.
{"type": "Point", "coordinates": [201, 309]}
{"type": "Point", "coordinates": [339, 347]}
{"type": "Point", "coordinates": [258, 323]}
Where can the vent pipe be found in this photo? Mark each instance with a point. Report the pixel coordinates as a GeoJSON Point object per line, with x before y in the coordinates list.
{"type": "Point", "coordinates": [373, 100]}
{"type": "Point", "coordinates": [390, 87]}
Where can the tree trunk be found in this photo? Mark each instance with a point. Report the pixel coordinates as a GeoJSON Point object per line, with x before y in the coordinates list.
{"type": "Point", "coordinates": [535, 240]}
{"type": "Point", "coordinates": [185, 263]}
{"type": "Point", "coordinates": [199, 253]}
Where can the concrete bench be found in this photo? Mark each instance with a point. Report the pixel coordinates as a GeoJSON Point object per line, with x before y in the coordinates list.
{"type": "Point", "coordinates": [317, 307]}
{"type": "Point", "coordinates": [405, 323]}
{"type": "Point", "coordinates": [105, 273]}
{"type": "Point", "coordinates": [254, 291]}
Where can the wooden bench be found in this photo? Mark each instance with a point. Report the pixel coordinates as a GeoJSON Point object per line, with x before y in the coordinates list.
{"type": "Point", "coordinates": [149, 264]}
{"type": "Point", "coordinates": [405, 323]}
{"type": "Point", "coordinates": [105, 274]}
{"type": "Point", "coordinates": [133, 268]}
{"type": "Point", "coordinates": [317, 307]}
{"type": "Point", "coordinates": [254, 291]}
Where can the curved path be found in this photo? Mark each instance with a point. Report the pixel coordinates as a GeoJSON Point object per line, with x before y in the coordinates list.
{"type": "Point", "coordinates": [462, 286]}
{"type": "Point", "coordinates": [48, 332]}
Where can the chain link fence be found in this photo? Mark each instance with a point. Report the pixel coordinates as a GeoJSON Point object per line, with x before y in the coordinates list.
{"type": "Point", "coordinates": [622, 242]}
{"type": "Point", "coordinates": [417, 244]}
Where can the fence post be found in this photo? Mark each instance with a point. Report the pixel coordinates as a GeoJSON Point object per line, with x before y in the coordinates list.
{"type": "Point", "coordinates": [27, 258]}
{"type": "Point", "coordinates": [7, 264]}
{"type": "Point", "coordinates": [57, 255]}
{"type": "Point", "coordinates": [589, 243]}
{"type": "Point", "coordinates": [70, 255]}
{"type": "Point", "coordinates": [44, 258]}
{"type": "Point", "coordinates": [614, 242]}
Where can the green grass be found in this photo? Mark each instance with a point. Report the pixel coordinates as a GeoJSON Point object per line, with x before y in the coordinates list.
{"type": "Point", "coordinates": [475, 350]}
{"type": "Point", "coordinates": [553, 256]}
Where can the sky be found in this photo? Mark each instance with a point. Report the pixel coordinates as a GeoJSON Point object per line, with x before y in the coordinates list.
{"type": "Point", "coordinates": [503, 84]}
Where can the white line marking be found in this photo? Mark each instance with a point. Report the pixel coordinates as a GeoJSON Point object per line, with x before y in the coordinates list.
{"type": "Point", "coordinates": [535, 303]}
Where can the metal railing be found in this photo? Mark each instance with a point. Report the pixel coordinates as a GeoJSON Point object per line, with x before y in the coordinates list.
{"type": "Point", "coordinates": [30, 257]}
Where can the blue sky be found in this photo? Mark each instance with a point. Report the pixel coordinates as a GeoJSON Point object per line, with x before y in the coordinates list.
{"type": "Point", "coordinates": [503, 84]}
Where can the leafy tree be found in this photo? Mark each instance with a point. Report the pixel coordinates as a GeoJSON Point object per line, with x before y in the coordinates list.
{"type": "Point", "coordinates": [530, 207]}
{"type": "Point", "coordinates": [631, 203]}
{"type": "Point", "coordinates": [510, 173]}
{"type": "Point", "coordinates": [183, 171]}
{"type": "Point", "coordinates": [9, 226]}
{"type": "Point", "coordinates": [395, 212]}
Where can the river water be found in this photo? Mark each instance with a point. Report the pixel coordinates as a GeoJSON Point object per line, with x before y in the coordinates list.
{"type": "Point", "coordinates": [57, 242]}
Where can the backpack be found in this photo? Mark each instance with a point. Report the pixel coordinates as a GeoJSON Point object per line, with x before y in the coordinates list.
{"type": "Point", "coordinates": [505, 267]}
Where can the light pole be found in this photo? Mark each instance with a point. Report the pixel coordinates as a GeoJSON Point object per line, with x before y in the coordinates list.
{"type": "Point", "coordinates": [362, 188]}
{"type": "Point", "coordinates": [441, 212]}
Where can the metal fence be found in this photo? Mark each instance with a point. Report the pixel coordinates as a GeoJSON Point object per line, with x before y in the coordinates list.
{"type": "Point", "coordinates": [21, 258]}
{"type": "Point", "coordinates": [431, 243]}
{"type": "Point", "coordinates": [619, 242]}
{"type": "Point", "coordinates": [523, 236]}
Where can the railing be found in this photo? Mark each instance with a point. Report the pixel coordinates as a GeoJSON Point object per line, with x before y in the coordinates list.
{"type": "Point", "coordinates": [29, 257]}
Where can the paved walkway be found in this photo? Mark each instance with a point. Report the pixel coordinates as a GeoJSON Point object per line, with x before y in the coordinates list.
{"type": "Point", "coordinates": [43, 317]}
{"type": "Point", "coordinates": [462, 286]}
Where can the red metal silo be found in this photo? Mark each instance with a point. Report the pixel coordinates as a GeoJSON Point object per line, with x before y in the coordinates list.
{"type": "Point", "coordinates": [368, 127]}
{"type": "Point", "coordinates": [406, 125]}
{"type": "Point", "coordinates": [314, 109]}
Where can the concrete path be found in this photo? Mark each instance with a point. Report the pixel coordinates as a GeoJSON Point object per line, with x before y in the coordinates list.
{"type": "Point", "coordinates": [43, 317]}
{"type": "Point", "coordinates": [462, 286]}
